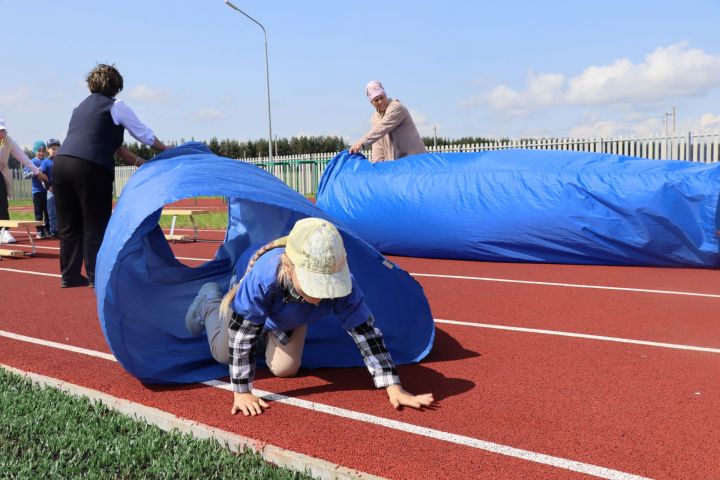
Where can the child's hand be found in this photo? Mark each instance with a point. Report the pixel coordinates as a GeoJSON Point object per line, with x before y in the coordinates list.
{"type": "Point", "coordinates": [248, 403]}
{"type": "Point", "coordinates": [400, 398]}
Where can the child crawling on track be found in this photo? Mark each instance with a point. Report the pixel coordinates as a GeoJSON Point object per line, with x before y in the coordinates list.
{"type": "Point", "coordinates": [288, 284]}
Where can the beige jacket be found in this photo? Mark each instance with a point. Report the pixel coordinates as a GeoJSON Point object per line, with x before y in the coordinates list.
{"type": "Point", "coordinates": [7, 147]}
{"type": "Point", "coordinates": [393, 134]}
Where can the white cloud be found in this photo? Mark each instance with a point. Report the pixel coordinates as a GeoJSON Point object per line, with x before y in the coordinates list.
{"type": "Point", "coordinates": [709, 121]}
{"type": "Point", "coordinates": [648, 127]}
{"type": "Point", "coordinates": [144, 93]}
{"type": "Point", "coordinates": [668, 72]}
{"type": "Point", "coordinates": [209, 114]}
{"type": "Point", "coordinates": [8, 96]}
{"type": "Point", "coordinates": [595, 130]}
{"type": "Point", "coordinates": [423, 124]}
{"type": "Point", "coordinates": [504, 98]}
{"type": "Point", "coordinates": [705, 123]}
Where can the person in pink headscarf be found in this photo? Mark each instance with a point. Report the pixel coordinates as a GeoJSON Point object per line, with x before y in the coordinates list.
{"type": "Point", "coordinates": [393, 134]}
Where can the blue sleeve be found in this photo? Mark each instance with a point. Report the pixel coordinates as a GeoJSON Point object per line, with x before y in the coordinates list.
{"type": "Point", "coordinates": [352, 310]}
{"type": "Point", "coordinates": [26, 171]}
{"type": "Point", "coordinates": [252, 300]}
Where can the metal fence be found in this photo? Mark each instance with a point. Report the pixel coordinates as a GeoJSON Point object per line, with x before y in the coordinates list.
{"type": "Point", "coordinates": [303, 172]}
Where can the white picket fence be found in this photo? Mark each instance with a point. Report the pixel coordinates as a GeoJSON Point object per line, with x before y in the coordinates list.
{"type": "Point", "coordinates": [303, 172]}
{"type": "Point", "coordinates": [691, 147]}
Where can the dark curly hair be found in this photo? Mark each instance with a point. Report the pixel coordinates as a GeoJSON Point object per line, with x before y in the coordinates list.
{"type": "Point", "coordinates": [105, 79]}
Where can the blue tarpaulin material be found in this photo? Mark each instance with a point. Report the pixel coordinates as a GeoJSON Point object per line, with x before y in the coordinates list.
{"type": "Point", "coordinates": [143, 292]}
{"type": "Point", "coordinates": [530, 206]}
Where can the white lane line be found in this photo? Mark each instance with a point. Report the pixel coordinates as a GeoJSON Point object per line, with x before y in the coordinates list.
{"type": "Point", "coordinates": [30, 272]}
{"type": "Point", "coordinates": [559, 462]}
{"type": "Point", "coordinates": [59, 346]}
{"type": "Point", "coordinates": [509, 280]}
{"type": "Point", "coordinates": [38, 247]}
{"type": "Point", "coordinates": [566, 464]}
{"type": "Point", "coordinates": [581, 335]}
{"type": "Point", "coordinates": [194, 259]}
{"type": "Point", "coordinates": [573, 285]}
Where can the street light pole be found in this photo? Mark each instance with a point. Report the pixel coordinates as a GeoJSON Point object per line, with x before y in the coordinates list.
{"type": "Point", "coordinates": [267, 77]}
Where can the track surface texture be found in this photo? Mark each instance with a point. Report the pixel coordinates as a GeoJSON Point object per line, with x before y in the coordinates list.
{"type": "Point", "coordinates": [539, 371]}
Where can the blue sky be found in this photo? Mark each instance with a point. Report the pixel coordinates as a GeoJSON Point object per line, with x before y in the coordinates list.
{"type": "Point", "coordinates": [196, 68]}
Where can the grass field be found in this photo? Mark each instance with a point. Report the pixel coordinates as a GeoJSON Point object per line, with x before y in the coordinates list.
{"type": "Point", "coordinates": [47, 434]}
{"type": "Point", "coordinates": [212, 220]}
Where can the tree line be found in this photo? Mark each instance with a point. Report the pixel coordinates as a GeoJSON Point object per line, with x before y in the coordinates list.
{"type": "Point", "coordinates": [281, 146]}
{"type": "Point", "coordinates": [292, 146]}
{"type": "Point", "coordinates": [445, 142]}
{"type": "Point", "coordinates": [258, 148]}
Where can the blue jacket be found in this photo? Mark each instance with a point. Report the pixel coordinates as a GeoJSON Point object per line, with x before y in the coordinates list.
{"type": "Point", "coordinates": [37, 186]}
{"type": "Point", "coordinates": [46, 167]}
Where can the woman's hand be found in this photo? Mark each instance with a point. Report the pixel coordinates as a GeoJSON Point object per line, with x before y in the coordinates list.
{"type": "Point", "coordinates": [248, 403]}
{"type": "Point", "coordinates": [400, 398]}
{"type": "Point", "coordinates": [356, 148]}
{"type": "Point", "coordinates": [158, 145]}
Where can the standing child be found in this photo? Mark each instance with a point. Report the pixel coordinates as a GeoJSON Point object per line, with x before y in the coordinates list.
{"type": "Point", "coordinates": [290, 283]}
{"type": "Point", "coordinates": [46, 167]}
{"type": "Point", "coordinates": [39, 194]}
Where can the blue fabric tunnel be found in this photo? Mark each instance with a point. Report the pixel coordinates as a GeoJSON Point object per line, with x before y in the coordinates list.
{"type": "Point", "coordinates": [143, 292]}
{"type": "Point", "coordinates": [530, 206]}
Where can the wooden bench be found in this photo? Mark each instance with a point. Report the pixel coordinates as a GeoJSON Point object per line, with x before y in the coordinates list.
{"type": "Point", "coordinates": [183, 211]}
{"type": "Point", "coordinates": [27, 225]}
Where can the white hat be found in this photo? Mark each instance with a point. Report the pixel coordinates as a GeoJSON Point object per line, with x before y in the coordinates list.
{"type": "Point", "coordinates": [2, 125]}
{"type": "Point", "coordinates": [315, 248]}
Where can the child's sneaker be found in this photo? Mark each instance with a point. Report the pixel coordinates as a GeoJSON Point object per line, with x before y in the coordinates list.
{"type": "Point", "coordinates": [6, 237]}
{"type": "Point", "coordinates": [208, 297]}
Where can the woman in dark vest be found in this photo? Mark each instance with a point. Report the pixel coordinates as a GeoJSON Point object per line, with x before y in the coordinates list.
{"type": "Point", "coordinates": [84, 171]}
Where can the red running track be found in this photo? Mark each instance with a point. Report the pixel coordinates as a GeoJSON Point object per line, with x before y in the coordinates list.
{"type": "Point", "coordinates": [640, 409]}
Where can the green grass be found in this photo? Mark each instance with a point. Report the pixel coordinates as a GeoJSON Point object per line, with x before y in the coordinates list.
{"type": "Point", "coordinates": [47, 434]}
{"type": "Point", "coordinates": [212, 220]}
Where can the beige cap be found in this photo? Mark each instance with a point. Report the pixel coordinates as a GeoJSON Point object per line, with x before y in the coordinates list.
{"type": "Point", "coordinates": [315, 248]}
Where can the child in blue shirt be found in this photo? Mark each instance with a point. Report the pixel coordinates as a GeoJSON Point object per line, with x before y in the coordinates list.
{"type": "Point", "coordinates": [39, 193]}
{"type": "Point", "coordinates": [46, 167]}
{"type": "Point", "coordinates": [288, 284]}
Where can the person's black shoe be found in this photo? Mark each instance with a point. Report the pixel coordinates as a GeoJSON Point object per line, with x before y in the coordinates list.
{"type": "Point", "coordinates": [80, 282]}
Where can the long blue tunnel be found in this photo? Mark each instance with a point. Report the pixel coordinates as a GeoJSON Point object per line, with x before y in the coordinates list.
{"type": "Point", "coordinates": [530, 206]}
